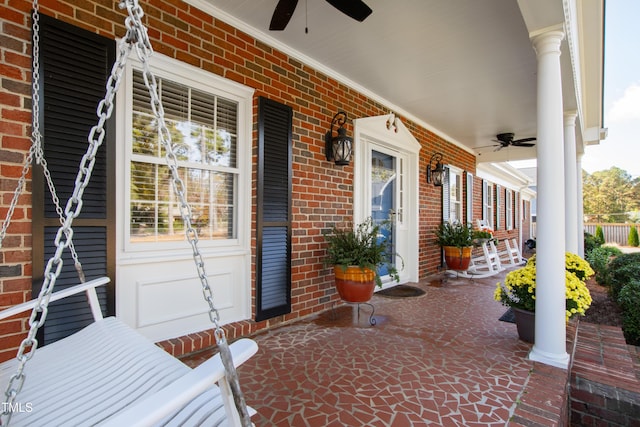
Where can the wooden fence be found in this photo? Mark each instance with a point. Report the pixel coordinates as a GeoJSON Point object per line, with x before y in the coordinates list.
{"type": "Point", "coordinates": [613, 233]}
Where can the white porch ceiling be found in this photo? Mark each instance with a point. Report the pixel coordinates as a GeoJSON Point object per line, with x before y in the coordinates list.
{"type": "Point", "coordinates": [465, 69]}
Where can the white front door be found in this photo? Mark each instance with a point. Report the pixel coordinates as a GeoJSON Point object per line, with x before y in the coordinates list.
{"type": "Point", "coordinates": [386, 206]}
{"type": "Point", "coordinates": [386, 188]}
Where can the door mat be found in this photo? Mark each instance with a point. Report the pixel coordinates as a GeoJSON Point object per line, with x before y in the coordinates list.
{"type": "Point", "coordinates": [508, 317]}
{"type": "Point", "coordinates": [401, 291]}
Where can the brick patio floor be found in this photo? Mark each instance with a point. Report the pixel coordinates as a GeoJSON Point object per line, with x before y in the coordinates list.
{"type": "Point", "coordinates": [441, 359]}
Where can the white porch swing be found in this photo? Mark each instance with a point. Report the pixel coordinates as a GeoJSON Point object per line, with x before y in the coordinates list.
{"type": "Point", "coordinates": [107, 373]}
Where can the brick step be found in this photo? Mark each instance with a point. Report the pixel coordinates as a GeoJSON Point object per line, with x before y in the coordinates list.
{"type": "Point", "coordinates": [635, 355]}
{"type": "Point", "coordinates": [605, 378]}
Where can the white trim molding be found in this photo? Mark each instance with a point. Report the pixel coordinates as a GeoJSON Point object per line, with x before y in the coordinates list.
{"type": "Point", "coordinates": [158, 288]}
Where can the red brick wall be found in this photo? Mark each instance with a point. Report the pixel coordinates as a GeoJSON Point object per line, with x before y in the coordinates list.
{"type": "Point", "coordinates": [322, 192]}
{"type": "Point", "coordinates": [501, 232]}
{"type": "Point", "coordinates": [605, 387]}
{"type": "Point", "coordinates": [15, 119]}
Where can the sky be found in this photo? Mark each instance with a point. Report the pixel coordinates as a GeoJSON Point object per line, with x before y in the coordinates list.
{"type": "Point", "coordinates": [621, 148]}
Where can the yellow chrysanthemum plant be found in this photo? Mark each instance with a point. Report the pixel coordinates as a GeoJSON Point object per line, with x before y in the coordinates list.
{"type": "Point", "coordinates": [519, 287]}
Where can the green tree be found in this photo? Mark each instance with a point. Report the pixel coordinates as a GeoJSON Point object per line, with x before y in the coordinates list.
{"type": "Point", "coordinates": [633, 236]}
{"type": "Point", "coordinates": [610, 195]}
{"type": "Point", "coordinates": [599, 234]}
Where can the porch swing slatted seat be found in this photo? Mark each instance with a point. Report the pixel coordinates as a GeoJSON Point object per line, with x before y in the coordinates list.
{"type": "Point", "coordinates": [107, 373]}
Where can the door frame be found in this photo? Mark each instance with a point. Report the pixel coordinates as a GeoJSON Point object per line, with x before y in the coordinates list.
{"type": "Point", "coordinates": [373, 131]}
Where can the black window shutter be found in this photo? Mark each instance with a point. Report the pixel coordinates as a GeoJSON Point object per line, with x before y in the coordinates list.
{"type": "Point", "coordinates": [273, 252]}
{"type": "Point", "coordinates": [75, 66]}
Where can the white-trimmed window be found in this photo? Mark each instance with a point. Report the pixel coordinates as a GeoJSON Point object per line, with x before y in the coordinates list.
{"type": "Point", "coordinates": [455, 195]}
{"type": "Point", "coordinates": [498, 206]}
{"type": "Point", "coordinates": [469, 198]}
{"type": "Point", "coordinates": [517, 210]}
{"type": "Point", "coordinates": [206, 118]}
{"type": "Point", "coordinates": [203, 129]}
{"type": "Point", "coordinates": [487, 202]}
{"type": "Point", "coordinates": [509, 210]}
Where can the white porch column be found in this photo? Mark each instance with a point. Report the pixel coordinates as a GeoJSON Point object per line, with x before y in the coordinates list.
{"type": "Point", "coordinates": [580, 224]}
{"type": "Point", "coordinates": [570, 183]}
{"type": "Point", "coordinates": [550, 340]}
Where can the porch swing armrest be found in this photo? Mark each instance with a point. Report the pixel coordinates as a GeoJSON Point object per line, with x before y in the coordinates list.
{"type": "Point", "coordinates": [88, 287]}
{"type": "Point", "coordinates": [175, 399]}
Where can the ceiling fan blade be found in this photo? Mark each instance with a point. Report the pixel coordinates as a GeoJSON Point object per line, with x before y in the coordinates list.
{"type": "Point", "coordinates": [519, 141]}
{"type": "Point", "coordinates": [282, 14]}
{"type": "Point", "coordinates": [355, 9]}
{"type": "Point", "coordinates": [502, 143]}
{"type": "Point", "coordinates": [522, 144]}
{"type": "Point", "coordinates": [485, 146]}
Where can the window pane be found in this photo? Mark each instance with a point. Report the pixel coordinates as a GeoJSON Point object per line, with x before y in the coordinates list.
{"type": "Point", "coordinates": [455, 197]}
{"type": "Point", "coordinates": [203, 131]}
{"type": "Point", "coordinates": [490, 205]}
{"type": "Point", "coordinates": [175, 100]}
{"type": "Point", "coordinates": [211, 200]}
{"type": "Point", "coordinates": [145, 135]}
{"type": "Point", "coordinates": [202, 108]}
{"type": "Point", "coordinates": [213, 142]}
{"type": "Point", "coordinates": [141, 98]}
{"type": "Point", "coordinates": [155, 210]}
{"type": "Point", "coordinates": [227, 130]}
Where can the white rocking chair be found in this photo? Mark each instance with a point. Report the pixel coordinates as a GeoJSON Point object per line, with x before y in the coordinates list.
{"type": "Point", "coordinates": [511, 253]}
{"type": "Point", "coordinates": [485, 265]}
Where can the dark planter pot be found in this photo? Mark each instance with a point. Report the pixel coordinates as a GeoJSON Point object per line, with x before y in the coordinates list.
{"type": "Point", "coordinates": [457, 258]}
{"type": "Point", "coordinates": [355, 284]}
{"type": "Point", "coordinates": [526, 324]}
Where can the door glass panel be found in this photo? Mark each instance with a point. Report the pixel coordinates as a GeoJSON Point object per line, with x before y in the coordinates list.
{"type": "Point", "coordinates": [383, 199]}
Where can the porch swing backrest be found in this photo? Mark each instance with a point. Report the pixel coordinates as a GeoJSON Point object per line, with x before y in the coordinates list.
{"type": "Point", "coordinates": [107, 373]}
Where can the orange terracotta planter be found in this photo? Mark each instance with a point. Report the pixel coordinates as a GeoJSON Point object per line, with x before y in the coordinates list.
{"type": "Point", "coordinates": [457, 258]}
{"type": "Point", "coordinates": [355, 284]}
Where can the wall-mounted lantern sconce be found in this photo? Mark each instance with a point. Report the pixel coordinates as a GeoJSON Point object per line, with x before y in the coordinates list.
{"type": "Point", "coordinates": [338, 148]}
{"type": "Point", "coordinates": [434, 176]}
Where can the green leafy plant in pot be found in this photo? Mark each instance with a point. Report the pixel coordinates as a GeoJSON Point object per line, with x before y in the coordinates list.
{"type": "Point", "coordinates": [457, 241]}
{"type": "Point", "coordinates": [481, 236]}
{"type": "Point", "coordinates": [356, 252]}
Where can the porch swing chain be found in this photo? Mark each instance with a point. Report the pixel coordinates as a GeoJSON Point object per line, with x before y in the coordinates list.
{"type": "Point", "coordinates": [136, 36]}
{"type": "Point", "coordinates": [36, 151]}
{"type": "Point", "coordinates": [29, 345]}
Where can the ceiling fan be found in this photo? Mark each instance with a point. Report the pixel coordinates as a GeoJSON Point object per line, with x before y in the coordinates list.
{"type": "Point", "coordinates": [355, 9]}
{"type": "Point", "coordinates": [506, 140]}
